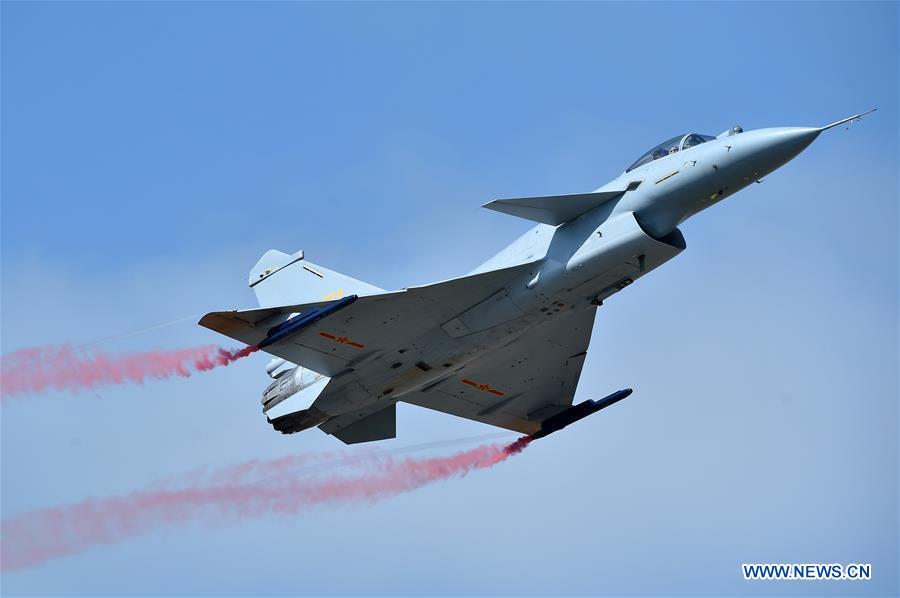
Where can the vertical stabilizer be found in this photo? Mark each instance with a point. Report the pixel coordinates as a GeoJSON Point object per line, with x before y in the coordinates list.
{"type": "Point", "coordinates": [282, 279]}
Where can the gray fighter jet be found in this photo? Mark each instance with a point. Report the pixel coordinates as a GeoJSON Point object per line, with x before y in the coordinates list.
{"type": "Point", "coordinates": [504, 344]}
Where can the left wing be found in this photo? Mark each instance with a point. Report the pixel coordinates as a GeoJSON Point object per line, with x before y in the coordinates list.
{"type": "Point", "coordinates": [524, 383]}
{"type": "Point", "coordinates": [366, 328]}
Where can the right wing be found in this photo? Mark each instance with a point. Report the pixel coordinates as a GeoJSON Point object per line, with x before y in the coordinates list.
{"type": "Point", "coordinates": [522, 384]}
{"type": "Point", "coordinates": [368, 326]}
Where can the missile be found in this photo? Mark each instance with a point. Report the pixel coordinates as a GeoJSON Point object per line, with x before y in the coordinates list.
{"type": "Point", "coordinates": [577, 412]}
{"type": "Point", "coordinates": [294, 325]}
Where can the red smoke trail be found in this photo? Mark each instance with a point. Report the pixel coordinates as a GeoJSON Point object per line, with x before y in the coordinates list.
{"type": "Point", "coordinates": [61, 367]}
{"type": "Point", "coordinates": [257, 469]}
{"type": "Point", "coordinates": [35, 537]}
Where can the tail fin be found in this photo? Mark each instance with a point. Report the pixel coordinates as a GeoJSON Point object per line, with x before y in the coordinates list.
{"type": "Point", "coordinates": [282, 279]}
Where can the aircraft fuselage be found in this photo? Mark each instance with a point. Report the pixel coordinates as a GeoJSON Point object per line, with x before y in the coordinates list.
{"type": "Point", "coordinates": [566, 268]}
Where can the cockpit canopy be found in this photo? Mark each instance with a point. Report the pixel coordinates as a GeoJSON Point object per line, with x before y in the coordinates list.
{"type": "Point", "coordinates": [671, 146]}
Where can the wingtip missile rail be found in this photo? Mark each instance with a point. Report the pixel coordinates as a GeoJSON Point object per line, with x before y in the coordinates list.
{"type": "Point", "coordinates": [294, 325]}
{"type": "Point", "coordinates": [577, 412]}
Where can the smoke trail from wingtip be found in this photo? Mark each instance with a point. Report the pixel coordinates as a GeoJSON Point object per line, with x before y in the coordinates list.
{"type": "Point", "coordinates": [64, 368]}
{"type": "Point", "coordinates": [35, 537]}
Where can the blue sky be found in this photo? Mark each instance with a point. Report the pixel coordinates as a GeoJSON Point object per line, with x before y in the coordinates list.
{"type": "Point", "coordinates": [152, 151]}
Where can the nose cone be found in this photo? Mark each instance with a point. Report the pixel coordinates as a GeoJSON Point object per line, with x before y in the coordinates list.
{"type": "Point", "coordinates": [772, 148]}
{"type": "Point", "coordinates": [783, 145]}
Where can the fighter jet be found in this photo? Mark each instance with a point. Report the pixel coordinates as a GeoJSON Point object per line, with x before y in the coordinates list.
{"type": "Point", "coordinates": [504, 344]}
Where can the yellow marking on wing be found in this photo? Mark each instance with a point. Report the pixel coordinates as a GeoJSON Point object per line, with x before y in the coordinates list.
{"type": "Point", "coordinates": [338, 294]}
